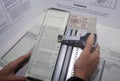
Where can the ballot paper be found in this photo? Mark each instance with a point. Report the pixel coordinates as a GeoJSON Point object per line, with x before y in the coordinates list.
{"type": "Point", "coordinates": [46, 51]}
{"type": "Point", "coordinates": [109, 61]}
{"type": "Point", "coordinates": [26, 43]}
{"type": "Point", "coordinates": [45, 54]}
{"type": "Point", "coordinates": [107, 11]}
{"type": "Point", "coordinates": [15, 15]}
{"type": "Point", "coordinates": [85, 23]}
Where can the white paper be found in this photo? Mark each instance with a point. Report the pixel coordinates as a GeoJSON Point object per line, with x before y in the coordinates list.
{"type": "Point", "coordinates": [24, 45]}
{"type": "Point", "coordinates": [107, 11]}
{"type": "Point", "coordinates": [46, 50]}
{"type": "Point", "coordinates": [111, 71]}
{"type": "Point", "coordinates": [108, 36]}
{"type": "Point", "coordinates": [112, 65]}
{"type": "Point", "coordinates": [11, 11]}
{"type": "Point", "coordinates": [14, 19]}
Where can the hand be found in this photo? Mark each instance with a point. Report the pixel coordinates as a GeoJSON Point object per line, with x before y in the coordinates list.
{"type": "Point", "coordinates": [87, 63]}
{"type": "Point", "coordinates": [8, 72]}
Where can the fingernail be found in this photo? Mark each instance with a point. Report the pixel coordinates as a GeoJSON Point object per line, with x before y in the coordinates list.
{"type": "Point", "coordinates": [91, 37]}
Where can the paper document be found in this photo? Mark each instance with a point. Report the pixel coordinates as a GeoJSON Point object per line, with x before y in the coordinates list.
{"type": "Point", "coordinates": [44, 57]}
{"type": "Point", "coordinates": [112, 56]}
{"type": "Point", "coordinates": [107, 11]}
{"type": "Point", "coordinates": [26, 43]}
{"type": "Point", "coordinates": [15, 16]}
{"type": "Point", "coordinates": [10, 11]}
{"type": "Point", "coordinates": [112, 66]}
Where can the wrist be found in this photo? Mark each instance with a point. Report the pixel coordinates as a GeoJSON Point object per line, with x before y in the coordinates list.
{"type": "Point", "coordinates": [81, 75]}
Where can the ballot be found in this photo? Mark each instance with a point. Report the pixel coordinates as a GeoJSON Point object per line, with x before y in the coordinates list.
{"type": "Point", "coordinates": [51, 60]}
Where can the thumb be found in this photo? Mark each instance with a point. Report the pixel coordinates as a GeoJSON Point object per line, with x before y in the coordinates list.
{"type": "Point", "coordinates": [89, 43]}
{"type": "Point", "coordinates": [16, 78]}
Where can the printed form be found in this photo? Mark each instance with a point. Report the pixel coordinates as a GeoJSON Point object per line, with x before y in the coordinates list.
{"type": "Point", "coordinates": [10, 11]}
{"type": "Point", "coordinates": [15, 15]}
{"type": "Point", "coordinates": [107, 11]}
{"type": "Point", "coordinates": [108, 28]}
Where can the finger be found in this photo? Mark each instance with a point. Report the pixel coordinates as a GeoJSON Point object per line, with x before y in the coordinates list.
{"type": "Point", "coordinates": [97, 49]}
{"type": "Point", "coordinates": [94, 61]}
{"type": "Point", "coordinates": [20, 79]}
{"type": "Point", "coordinates": [95, 56]}
{"type": "Point", "coordinates": [96, 52]}
{"type": "Point", "coordinates": [89, 43]}
{"type": "Point", "coordinates": [21, 60]}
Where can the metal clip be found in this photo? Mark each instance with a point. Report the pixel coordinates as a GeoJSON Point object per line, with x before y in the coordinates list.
{"type": "Point", "coordinates": [76, 41]}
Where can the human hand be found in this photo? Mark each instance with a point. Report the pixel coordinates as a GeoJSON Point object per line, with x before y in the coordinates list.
{"type": "Point", "coordinates": [87, 63]}
{"type": "Point", "coordinates": [8, 72]}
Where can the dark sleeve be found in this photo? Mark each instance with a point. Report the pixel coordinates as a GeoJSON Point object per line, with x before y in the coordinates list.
{"type": "Point", "coordinates": [75, 79]}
